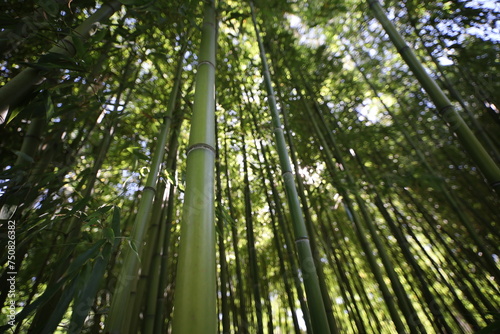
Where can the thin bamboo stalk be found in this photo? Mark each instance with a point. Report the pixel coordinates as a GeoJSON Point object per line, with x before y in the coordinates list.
{"type": "Point", "coordinates": [224, 308]}
{"type": "Point", "coordinates": [242, 313]}
{"type": "Point", "coordinates": [319, 319]}
{"type": "Point", "coordinates": [151, 295]}
{"type": "Point", "coordinates": [437, 314]}
{"type": "Point", "coordinates": [252, 253]}
{"type": "Point", "coordinates": [157, 292]}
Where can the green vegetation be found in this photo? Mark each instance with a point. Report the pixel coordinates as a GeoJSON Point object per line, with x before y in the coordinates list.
{"type": "Point", "coordinates": [249, 167]}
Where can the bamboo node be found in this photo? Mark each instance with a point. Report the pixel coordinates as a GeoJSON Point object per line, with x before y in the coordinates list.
{"type": "Point", "coordinates": [205, 62]}
{"type": "Point", "coordinates": [200, 146]}
{"type": "Point", "coordinates": [149, 188]}
{"type": "Point", "coordinates": [446, 109]}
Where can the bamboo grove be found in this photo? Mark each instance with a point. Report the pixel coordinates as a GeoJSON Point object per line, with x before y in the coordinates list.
{"type": "Point", "coordinates": [249, 166]}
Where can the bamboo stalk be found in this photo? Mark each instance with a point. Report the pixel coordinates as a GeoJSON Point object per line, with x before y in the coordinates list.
{"type": "Point", "coordinates": [224, 308]}
{"type": "Point", "coordinates": [195, 291]}
{"type": "Point", "coordinates": [488, 258]}
{"type": "Point", "coordinates": [252, 253]}
{"type": "Point", "coordinates": [242, 313]}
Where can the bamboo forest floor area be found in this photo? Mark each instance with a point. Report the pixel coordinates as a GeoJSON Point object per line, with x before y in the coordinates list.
{"type": "Point", "coordinates": [203, 167]}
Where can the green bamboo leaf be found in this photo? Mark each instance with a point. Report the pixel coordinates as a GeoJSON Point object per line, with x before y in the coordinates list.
{"type": "Point", "coordinates": [84, 301]}
{"type": "Point", "coordinates": [133, 247]}
{"type": "Point", "coordinates": [33, 109]}
{"type": "Point", "coordinates": [115, 223]}
{"type": "Point", "coordinates": [136, 151]}
{"type": "Point", "coordinates": [96, 216]}
{"type": "Point", "coordinates": [109, 234]}
{"type": "Point", "coordinates": [13, 115]}
{"type": "Point", "coordinates": [181, 184]}
{"type": "Point", "coordinates": [54, 60]}
{"type": "Point", "coordinates": [228, 220]}
{"type": "Point", "coordinates": [107, 249]}
{"type": "Point", "coordinates": [49, 106]}
{"type": "Point", "coordinates": [103, 209]}
{"type": "Point", "coordinates": [84, 257]}
{"type": "Point", "coordinates": [79, 205]}
{"type": "Point", "coordinates": [79, 45]}
{"type": "Point", "coordinates": [140, 155]}
{"type": "Point", "coordinates": [169, 177]}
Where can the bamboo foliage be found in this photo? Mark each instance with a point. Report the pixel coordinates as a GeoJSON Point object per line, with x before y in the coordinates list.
{"type": "Point", "coordinates": [21, 85]}
{"type": "Point", "coordinates": [475, 149]}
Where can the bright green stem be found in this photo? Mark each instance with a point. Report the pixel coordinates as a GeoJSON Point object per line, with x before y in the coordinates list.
{"type": "Point", "coordinates": [224, 306]}
{"type": "Point", "coordinates": [450, 115]}
{"type": "Point", "coordinates": [195, 289]}
{"type": "Point", "coordinates": [319, 319]}
{"type": "Point", "coordinates": [22, 84]}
